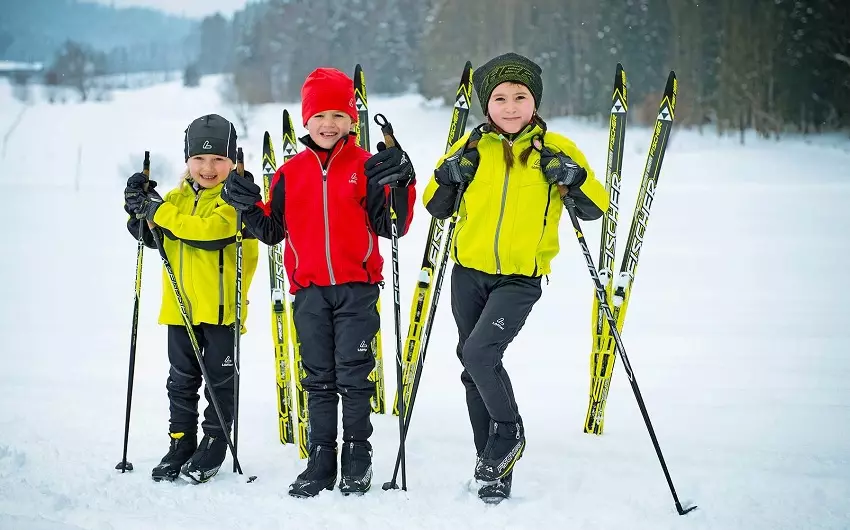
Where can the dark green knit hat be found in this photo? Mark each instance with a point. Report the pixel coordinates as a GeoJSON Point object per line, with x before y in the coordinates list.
{"type": "Point", "coordinates": [510, 67]}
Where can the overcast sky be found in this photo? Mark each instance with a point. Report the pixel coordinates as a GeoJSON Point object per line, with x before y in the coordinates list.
{"type": "Point", "coordinates": [189, 8]}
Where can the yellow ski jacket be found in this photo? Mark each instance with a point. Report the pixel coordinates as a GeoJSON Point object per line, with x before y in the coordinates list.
{"type": "Point", "coordinates": [508, 219]}
{"type": "Point", "coordinates": [200, 237]}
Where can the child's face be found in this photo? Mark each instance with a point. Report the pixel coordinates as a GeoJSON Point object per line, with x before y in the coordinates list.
{"type": "Point", "coordinates": [209, 170]}
{"type": "Point", "coordinates": [511, 107]}
{"type": "Point", "coordinates": [327, 127]}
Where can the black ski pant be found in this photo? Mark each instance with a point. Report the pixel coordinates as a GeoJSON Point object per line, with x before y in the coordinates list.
{"type": "Point", "coordinates": [489, 310]}
{"type": "Point", "coordinates": [185, 377]}
{"type": "Point", "coordinates": [336, 325]}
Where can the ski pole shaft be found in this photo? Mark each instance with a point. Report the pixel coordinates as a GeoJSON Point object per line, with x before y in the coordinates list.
{"type": "Point", "coordinates": [237, 324]}
{"type": "Point", "coordinates": [389, 141]}
{"type": "Point", "coordinates": [134, 329]}
{"type": "Point", "coordinates": [606, 309]}
{"type": "Point", "coordinates": [438, 287]}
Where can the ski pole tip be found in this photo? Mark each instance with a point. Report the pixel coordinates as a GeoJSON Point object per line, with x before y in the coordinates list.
{"type": "Point", "coordinates": [124, 466]}
{"type": "Point", "coordinates": [389, 486]}
{"type": "Point", "coordinates": [252, 478]}
{"type": "Point", "coordinates": [685, 511]}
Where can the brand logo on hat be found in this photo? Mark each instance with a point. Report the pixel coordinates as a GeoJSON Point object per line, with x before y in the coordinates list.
{"type": "Point", "coordinates": [207, 145]}
{"type": "Point", "coordinates": [351, 102]}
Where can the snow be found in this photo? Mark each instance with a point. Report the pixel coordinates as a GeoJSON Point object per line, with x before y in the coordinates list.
{"type": "Point", "coordinates": [13, 66]}
{"type": "Point", "coordinates": [736, 338]}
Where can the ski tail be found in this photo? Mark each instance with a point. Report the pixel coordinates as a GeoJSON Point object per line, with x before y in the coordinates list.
{"type": "Point", "coordinates": [624, 281]}
{"type": "Point", "coordinates": [601, 356]}
{"type": "Point", "coordinates": [361, 128]}
{"type": "Point", "coordinates": [297, 371]}
{"type": "Point", "coordinates": [434, 242]}
{"type": "Point", "coordinates": [279, 317]}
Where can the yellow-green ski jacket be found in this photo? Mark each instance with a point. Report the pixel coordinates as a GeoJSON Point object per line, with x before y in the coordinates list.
{"type": "Point", "coordinates": [508, 219]}
{"type": "Point", "coordinates": [200, 237]}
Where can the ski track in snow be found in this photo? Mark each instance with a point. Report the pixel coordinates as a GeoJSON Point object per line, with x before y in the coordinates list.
{"type": "Point", "coordinates": [737, 335]}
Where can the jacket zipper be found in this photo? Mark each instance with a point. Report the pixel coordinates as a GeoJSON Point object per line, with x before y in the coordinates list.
{"type": "Point", "coordinates": [501, 216]}
{"type": "Point", "coordinates": [543, 232]}
{"type": "Point", "coordinates": [295, 253]}
{"type": "Point", "coordinates": [220, 287]}
{"type": "Point", "coordinates": [183, 289]}
{"type": "Point", "coordinates": [325, 212]}
{"type": "Point", "coordinates": [368, 253]}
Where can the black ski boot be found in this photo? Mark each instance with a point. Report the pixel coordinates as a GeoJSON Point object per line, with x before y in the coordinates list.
{"type": "Point", "coordinates": [182, 447]}
{"type": "Point", "coordinates": [496, 492]}
{"type": "Point", "coordinates": [207, 460]}
{"type": "Point", "coordinates": [356, 468]}
{"type": "Point", "coordinates": [319, 475]}
{"type": "Point", "coordinates": [504, 448]}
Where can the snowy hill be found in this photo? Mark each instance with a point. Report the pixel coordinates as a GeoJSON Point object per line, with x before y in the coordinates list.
{"type": "Point", "coordinates": [737, 333]}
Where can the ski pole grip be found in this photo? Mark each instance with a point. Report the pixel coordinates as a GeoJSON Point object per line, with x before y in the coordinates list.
{"type": "Point", "coordinates": [146, 169]}
{"type": "Point", "coordinates": [386, 130]}
{"type": "Point", "coordinates": [240, 162]}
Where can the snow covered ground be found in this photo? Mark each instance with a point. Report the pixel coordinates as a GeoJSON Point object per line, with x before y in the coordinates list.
{"type": "Point", "coordinates": [737, 333]}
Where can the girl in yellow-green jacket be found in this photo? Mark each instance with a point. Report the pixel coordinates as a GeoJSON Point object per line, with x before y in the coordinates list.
{"type": "Point", "coordinates": [510, 173]}
{"type": "Point", "coordinates": [199, 239]}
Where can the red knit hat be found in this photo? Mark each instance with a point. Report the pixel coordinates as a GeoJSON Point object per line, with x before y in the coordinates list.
{"type": "Point", "coordinates": [327, 89]}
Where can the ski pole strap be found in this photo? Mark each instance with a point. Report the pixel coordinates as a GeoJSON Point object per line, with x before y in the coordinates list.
{"type": "Point", "coordinates": [386, 130]}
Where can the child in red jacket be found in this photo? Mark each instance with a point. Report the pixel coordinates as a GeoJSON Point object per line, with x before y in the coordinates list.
{"type": "Point", "coordinates": [330, 203]}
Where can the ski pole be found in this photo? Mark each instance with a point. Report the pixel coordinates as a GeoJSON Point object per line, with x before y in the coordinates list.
{"type": "Point", "coordinates": [389, 141]}
{"type": "Point", "coordinates": [123, 465]}
{"type": "Point", "coordinates": [237, 325]}
{"type": "Point", "coordinates": [609, 316]}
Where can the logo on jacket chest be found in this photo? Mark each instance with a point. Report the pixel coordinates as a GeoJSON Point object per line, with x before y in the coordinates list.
{"type": "Point", "coordinates": [353, 178]}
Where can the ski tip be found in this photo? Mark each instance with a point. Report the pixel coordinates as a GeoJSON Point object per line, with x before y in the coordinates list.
{"type": "Point", "coordinates": [266, 138]}
{"type": "Point", "coordinates": [672, 84]}
{"type": "Point", "coordinates": [286, 117]}
{"type": "Point", "coordinates": [619, 69]}
{"type": "Point", "coordinates": [357, 69]}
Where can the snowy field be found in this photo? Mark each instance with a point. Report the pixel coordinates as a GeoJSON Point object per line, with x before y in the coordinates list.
{"type": "Point", "coordinates": [737, 333]}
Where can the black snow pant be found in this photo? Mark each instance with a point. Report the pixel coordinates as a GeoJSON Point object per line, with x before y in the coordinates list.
{"type": "Point", "coordinates": [336, 325]}
{"type": "Point", "coordinates": [185, 377]}
{"type": "Point", "coordinates": [489, 310]}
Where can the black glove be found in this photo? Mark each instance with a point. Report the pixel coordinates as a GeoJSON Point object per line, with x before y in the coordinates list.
{"type": "Point", "coordinates": [560, 169]}
{"type": "Point", "coordinates": [460, 168]}
{"type": "Point", "coordinates": [240, 191]}
{"type": "Point", "coordinates": [134, 193]}
{"type": "Point", "coordinates": [390, 167]}
{"type": "Point", "coordinates": [150, 205]}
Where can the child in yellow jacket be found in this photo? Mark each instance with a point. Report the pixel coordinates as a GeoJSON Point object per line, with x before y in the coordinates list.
{"type": "Point", "coordinates": [199, 231]}
{"type": "Point", "coordinates": [512, 175]}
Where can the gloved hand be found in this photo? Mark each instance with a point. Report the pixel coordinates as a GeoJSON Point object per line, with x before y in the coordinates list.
{"type": "Point", "coordinates": [460, 167]}
{"type": "Point", "coordinates": [560, 169]}
{"type": "Point", "coordinates": [240, 191]}
{"type": "Point", "coordinates": [134, 193]}
{"type": "Point", "coordinates": [389, 167]}
{"type": "Point", "coordinates": [150, 205]}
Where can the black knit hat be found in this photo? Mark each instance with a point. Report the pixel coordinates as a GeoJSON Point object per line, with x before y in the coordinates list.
{"type": "Point", "coordinates": [510, 67]}
{"type": "Point", "coordinates": [210, 135]}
